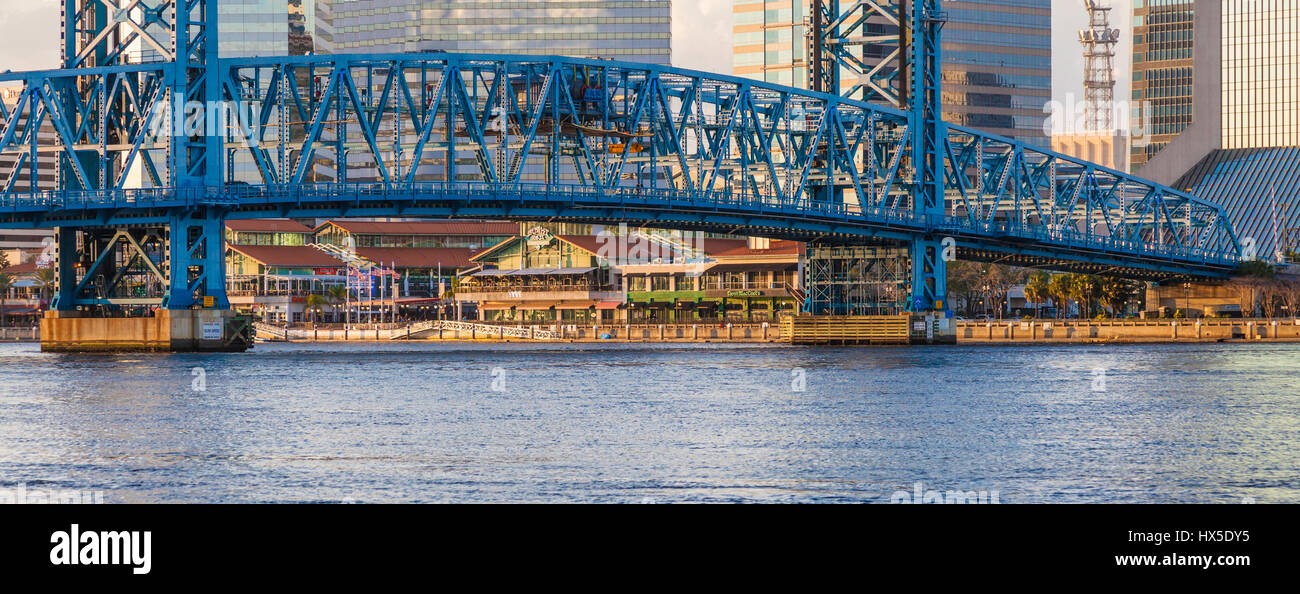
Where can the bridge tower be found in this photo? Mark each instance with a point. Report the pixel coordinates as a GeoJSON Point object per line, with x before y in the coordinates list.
{"type": "Point", "coordinates": [854, 279]}
{"type": "Point", "coordinates": [163, 272]}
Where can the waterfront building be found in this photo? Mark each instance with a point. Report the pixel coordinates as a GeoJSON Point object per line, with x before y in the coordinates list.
{"type": "Point", "coordinates": [1218, 88]}
{"type": "Point", "coordinates": [270, 232]}
{"type": "Point", "coordinates": [582, 279]}
{"type": "Point", "coordinates": [997, 71]}
{"type": "Point", "coordinates": [751, 280]}
{"type": "Point", "coordinates": [545, 278]}
{"type": "Point", "coordinates": [25, 302]}
{"type": "Point", "coordinates": [416, 234]}
{"type": "Point", "coordinates": [274, 265]}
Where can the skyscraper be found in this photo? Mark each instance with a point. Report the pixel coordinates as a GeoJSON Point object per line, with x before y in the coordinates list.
{"type": "Point", "coordinates": [20, 243]}
{"type": "Point", "coordinates": [997, 70]}
{"type": "Point", "coordinates": [254, 27]}
{"type": "Point", "coordinates": [1163, 41]}
{"type": "Point", "coordinates": [1217, 84]}
{"type": "Point", "coordinates": [631, 30]}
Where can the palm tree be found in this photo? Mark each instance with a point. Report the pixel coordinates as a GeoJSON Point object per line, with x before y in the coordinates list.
{"type": "Point", "coordinates": [334, 296]}
{"type": "Point", "coordinates": [1061, 288]}
{"type": "Point", "coordinates": [45, 282]}
{"type": "Point", "coordinates": [1038, 289]}
{"type": "Point", "coordinates": [1085, 289]}
{"type": "Point", "coordinates": [6, 285]}
{"type": "Point", "coordinates": [315, 304]}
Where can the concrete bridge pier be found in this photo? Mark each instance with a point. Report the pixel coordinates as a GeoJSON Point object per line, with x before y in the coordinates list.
{"type": "Point", "coordinates": [182, 331]}
{"type": "Point", "coordinates": [156, 286]}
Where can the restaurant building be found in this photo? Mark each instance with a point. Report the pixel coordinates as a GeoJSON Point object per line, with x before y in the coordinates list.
{"type": "Point", "coordinates": [750, 280]}
{"type": "Point", "coordinates": [544, 278]}
{"type": "Point", "coordinates": [583, 279]}
{"type": "Point", "coordinates": [398, 270]}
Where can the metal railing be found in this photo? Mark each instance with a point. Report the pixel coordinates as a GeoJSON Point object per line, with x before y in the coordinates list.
{"type": "Point", "coordinates": [902, 218]}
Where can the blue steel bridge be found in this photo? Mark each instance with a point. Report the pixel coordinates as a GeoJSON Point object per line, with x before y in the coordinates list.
{"type": "Point", "coordinates": [153, 157]}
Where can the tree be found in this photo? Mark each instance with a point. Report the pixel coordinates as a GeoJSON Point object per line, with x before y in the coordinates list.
{"type": "Point", "coordinates": [1115, 292]}
{"type": "Point", "coordinates": [336, 295]}
{"type": "Point", "coordinates": [1257, 269]}
{"type": "Point", "coordinates": [45, 282]}
{"type": "Point", "coordinates": [1038, 289]}
{"type": "Point", "coordinates": [1000, 280]}
{"type": "Point", "coordinates": [1085, 288]}
{"type": "Point", "coordinates": [964, 282]}
{"type": "Point", "coordinates": [1061, 289]}
{"type": "Point", "coordinates": [1252, 277]}
{"type": "Point", "coordinates": [316, 304]}
{"type": "Point", "coordinates": [6, 285]}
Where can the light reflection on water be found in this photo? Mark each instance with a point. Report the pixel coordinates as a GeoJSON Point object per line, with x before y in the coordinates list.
{"type": "Point", "coordinates": [620, 423]}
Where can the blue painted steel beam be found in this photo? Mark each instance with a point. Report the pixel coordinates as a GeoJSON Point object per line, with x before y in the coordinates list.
{"type": "Point", "coordinates": [525, 136]}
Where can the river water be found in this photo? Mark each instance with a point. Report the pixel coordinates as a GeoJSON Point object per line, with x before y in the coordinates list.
{"type": "Point", "coordinates": [666, 423]}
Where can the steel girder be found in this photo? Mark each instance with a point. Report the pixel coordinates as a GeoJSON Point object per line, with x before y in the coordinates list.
{"type": "Point", "coordinates": [512, 136]}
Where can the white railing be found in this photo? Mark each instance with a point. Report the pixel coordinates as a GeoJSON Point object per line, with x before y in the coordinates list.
{"type": "Point", "coordinates": [490, 331]}
{"type": "Point", "coordinates": [462, 329]}
{"type": "Point", "coordinates": [276, 332]}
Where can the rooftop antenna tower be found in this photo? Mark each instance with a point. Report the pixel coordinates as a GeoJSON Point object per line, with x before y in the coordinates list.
{"type": "Point", "coordinates": [1099, 41]}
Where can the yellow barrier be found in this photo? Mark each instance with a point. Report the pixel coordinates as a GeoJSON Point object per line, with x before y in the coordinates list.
{"type": "Point", "coordinates": [810, 330]}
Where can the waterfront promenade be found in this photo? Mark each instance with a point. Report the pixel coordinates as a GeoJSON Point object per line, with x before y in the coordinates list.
{"type": "Point", "coordinates": [984, 332]}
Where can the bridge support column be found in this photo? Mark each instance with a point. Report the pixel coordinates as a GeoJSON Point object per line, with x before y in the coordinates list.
{"type": "Point", "coordinates": [65, 266]}
{"type": "Point", "coordinates": [929, 277]}
{"type": "Point", "coordinates": [197, 262]}
{"type": "Point", "coordinates": [855, 280]}
{"type": "Point", "coordinates": [169, 277]}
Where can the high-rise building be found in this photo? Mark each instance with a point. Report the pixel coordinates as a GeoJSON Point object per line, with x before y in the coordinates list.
{"type": "Point", "coordinates": [20, 244]}
{"type": "Point", "coordinates": [631, 30]}
{"type": "Point", "coordinates": [1216, 85]}
{"type": "Point", "coordinates": [1163, 40]}
{"type": "Point", "coordinates": [997, 69]}
{"type": "Point", "coordinates": [254, 27]}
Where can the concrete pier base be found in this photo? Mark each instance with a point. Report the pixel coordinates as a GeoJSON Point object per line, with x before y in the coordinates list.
{"type": "Point", "coordinates": [868, 330]}
{"type": "Point", "coordinates": [182, 331]}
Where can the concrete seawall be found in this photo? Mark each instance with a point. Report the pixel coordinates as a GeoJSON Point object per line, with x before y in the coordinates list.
{"type": "Point", "coordinates": [635, 333]}
{"type": "Point", "coordinates": [31, 334]}
{"type": "Point", "coordinates": [1127, 331]}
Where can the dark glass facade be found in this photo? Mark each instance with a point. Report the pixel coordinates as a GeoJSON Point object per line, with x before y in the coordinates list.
{"type": "Point", "coordinates": [630, 30]}
{"type": "Point", "coordinates": [997, 58]}
{"type": "Point", "coordinates": [1162, 74]}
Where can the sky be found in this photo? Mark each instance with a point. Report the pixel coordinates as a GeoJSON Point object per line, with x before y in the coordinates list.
{"type": "Point", "coordinates": [701, 39]}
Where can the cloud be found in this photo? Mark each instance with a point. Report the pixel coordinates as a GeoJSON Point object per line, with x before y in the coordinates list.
{"type": "Point", "coordinates": [702, 33]}
{"type": "Point", "coordinates": [29, 35]}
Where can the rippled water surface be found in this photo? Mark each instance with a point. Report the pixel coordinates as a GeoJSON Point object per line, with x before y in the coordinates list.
{"type": "Point", "coordinates": [611, 423]}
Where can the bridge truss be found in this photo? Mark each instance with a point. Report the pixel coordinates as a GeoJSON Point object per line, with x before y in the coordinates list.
{"type": "Point", "coordinates": [154, 156]}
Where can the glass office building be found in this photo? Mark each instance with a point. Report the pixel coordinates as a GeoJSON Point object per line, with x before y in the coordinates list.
{"type": "Point", "coordinates": [1163, 73]}
{"type": "Point", "coordinates": [1261, 73]}
{"type": "Point", "coordinates": [631, 30]}
{"type": "Point", "coordinates": [997, 58]}
{"type": "Point", "coordinates": [254, 27]}
{"type": "Point", "coordinates": [1218, 82]}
